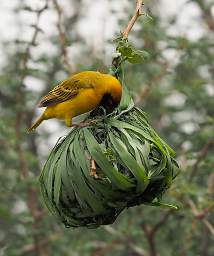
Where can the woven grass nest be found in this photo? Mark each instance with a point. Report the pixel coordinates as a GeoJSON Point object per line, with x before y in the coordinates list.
{"type": "Point", "coordinates": [133, 164]}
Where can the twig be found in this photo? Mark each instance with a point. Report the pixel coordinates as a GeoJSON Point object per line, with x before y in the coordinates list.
{"type": "Point", "coordinates": [150, 232]}
{"type": "Point", "coordinates": [121, 240]}
{"type": "Point", "coordinates": [117, 61]}
{"type": "Point", "coordinates": [31, 247]}
{"type": "Point", "coordinates": [32, 198]}
{"type": "Point", "coordinates": [147, 89]}
{"type": "Point", "coordinates": [131, 23]}
{"type": "Point", "coordinates": [103, 248]}
{"type": "Point", "coordinates": [19, 95]}
{"type": "Point", "coordinates": [162, 221]}
{"type": "Point", "coordinates": [62, 37]}
{"type": "Point", "coordinates": [150, 236]}
{"type": "Point", "coordinates": [206, 13]}
{"type": "Point", "coordinates": [209, 226]}
{"type": "Point", "coordinates": [200, 215]}
{"type": "Point", "coordinates": [211, 184]}
{"type": "Point", "coordinates": [33, 40]}
{"type": "Point", "coordinates": [204, 151]}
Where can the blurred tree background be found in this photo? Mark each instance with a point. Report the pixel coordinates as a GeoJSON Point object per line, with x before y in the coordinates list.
{"type": "Point", "coordinates": [175, 87]}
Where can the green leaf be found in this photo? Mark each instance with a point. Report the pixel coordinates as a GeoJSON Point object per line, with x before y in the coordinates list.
{"type": "Point", "coordinates": [126, 51]}
{"type": "Point", "coordinates": [126, 102]}
{"type": "Point", "coordinates": [135, 59]}
{"type": "Point", "coordinates": [137, 170]}
{"type": "Point", "coordinates": [118, 179]}
{"type": "Point", "coordinates": [143, 54]}
{"type": "Point", "coordinates": [124, 125]}
{"type": "Point", "coordinates": [102, 187]}
{"type": "Point", "coordinates": [163, 205]}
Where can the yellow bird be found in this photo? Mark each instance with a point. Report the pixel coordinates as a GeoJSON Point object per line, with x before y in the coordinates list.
{"type": "Point", "coordinates": [79, 94]}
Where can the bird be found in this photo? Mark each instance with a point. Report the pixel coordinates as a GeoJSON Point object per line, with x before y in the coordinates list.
{"type": "Point", "coordinates": [78, 94]}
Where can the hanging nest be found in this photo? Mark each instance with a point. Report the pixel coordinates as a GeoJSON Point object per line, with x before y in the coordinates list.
{"type": "Point", "coordinates": [133, 166]}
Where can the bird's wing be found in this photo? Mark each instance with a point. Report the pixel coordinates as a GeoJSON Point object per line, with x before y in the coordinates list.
{"type": "Point", "coordinates": [65, 91]}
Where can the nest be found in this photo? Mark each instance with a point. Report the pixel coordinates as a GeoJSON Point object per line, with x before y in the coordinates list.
{"type": "Point", "coordinates": [133, 166]}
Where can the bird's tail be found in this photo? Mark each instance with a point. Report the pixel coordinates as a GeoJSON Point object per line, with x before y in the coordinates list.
{"type": "Point", "coordinates": [36, 124]}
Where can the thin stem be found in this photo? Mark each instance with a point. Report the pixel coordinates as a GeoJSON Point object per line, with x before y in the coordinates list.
{"type": "Point", "coordinates": [204, 151]}
{"type": "Point", "coordinates": [116, 62]}
{"type": "Point", "coordinates": [137, 13]}
{"type": "Point", "coordinates": [32, 197]}
{"type": "Point", "coordinates": [62, 37]}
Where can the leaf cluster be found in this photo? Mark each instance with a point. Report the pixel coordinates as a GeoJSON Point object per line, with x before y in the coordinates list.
{"type": "Point", "coordinates": [129, 52]}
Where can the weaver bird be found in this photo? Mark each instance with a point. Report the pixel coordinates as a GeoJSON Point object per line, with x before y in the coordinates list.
{"type": "Point", "coordinates": [79, 94]}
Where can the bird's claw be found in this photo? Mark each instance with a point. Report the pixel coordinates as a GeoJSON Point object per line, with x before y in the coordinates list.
{"type": "Point", "coordinates": [84, 124]}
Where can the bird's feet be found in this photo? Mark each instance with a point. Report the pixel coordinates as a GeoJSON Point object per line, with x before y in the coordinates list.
{"type": "Point", "coordinates": [83, 124]}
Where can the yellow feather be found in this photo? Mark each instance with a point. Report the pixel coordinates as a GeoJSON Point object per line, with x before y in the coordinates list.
{"type": "Point", "coordinates": [78, 94]}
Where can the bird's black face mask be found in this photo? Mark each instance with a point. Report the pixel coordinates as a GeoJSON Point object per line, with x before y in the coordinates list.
{"type": "Point", "coordinates": [108, 103]}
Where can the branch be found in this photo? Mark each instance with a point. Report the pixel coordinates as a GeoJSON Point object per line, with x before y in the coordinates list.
{"type": "Point", "coordinates": [206, 13]}
{"type": "Point", "coordinates": [200, 215]}
{"type": "Point", "coordinates": [136, 249]}
{"type": "Point", "coordinates": [147, 89]}
{"type": "Point", "coordinates": [20, 100]}
{"type": "Point", "coordinates": [204, 151]}
{"type": "Point", "coordinates": [32, 42]}
{"type": "Point", "coordinates": [209, 226]}
{"type": "Point", "coordinates": [31, 247]}
{"type": "Point", "coordinates": [162, 221]}
{"type": "Point", "coordinates": [150, 236]}
{"type": "Point", "coordinates": [117, 61]}
{"type": "Point", "coordinates": [62, 37]}
{"type": "Point", "coordinates": [131, 23]}
{"type": "Point", "coordinates": [32, 198]}
{"type": "Point", "coordinates": [150, 232]}
{"type": "Point", "coordinates": [211, 184]}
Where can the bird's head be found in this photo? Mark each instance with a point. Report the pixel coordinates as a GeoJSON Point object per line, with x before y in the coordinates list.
{"type": "Point", "coordinates": [110, 90]}
{"type": "Point", "coordinates": [113, 90]}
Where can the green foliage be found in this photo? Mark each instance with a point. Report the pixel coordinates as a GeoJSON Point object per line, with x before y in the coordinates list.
{"type": "Point", "coordinates": [129, 52]}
